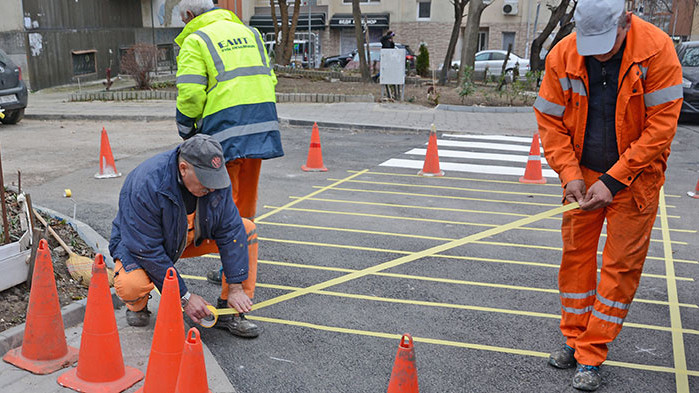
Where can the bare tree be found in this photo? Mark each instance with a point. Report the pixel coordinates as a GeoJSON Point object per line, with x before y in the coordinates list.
{"type": "Point", "coordinates": [363, 65]}
{"type": "Point", "coordinates": [459, 12]}
{"type": "Point", "coordinates": [557, 14]}
{"type": "Point", "coordinates": [567, 25]}
{"type": "Point", "coordinates": [473, 22]}
{"type": "Point", "coordinates": [284, 46]}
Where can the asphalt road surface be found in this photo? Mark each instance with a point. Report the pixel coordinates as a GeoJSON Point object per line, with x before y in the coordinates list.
{"type": "Point", "coordinates": [405, 254]}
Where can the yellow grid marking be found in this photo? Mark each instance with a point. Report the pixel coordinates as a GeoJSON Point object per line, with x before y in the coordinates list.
{"type": "Point", "coordinates": [681, 380]}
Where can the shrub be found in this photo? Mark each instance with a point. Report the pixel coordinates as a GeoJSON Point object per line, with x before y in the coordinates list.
{"type": "Point", "coordinates": [140, 61]}
{"type": "Point", "coordinates": [467, 85]}
{"type": "Point", "coordinates": [422, 65]}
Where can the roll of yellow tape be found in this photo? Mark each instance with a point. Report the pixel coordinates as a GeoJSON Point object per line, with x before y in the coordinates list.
{"type": "Point", "coordinates": [67, 193]}
{"type": "Point", "coordinates": [210, 321]}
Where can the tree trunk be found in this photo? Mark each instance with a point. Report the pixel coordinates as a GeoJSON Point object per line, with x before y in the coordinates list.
{"type": "Point", "coordinates": [556, 15]}
{"type": "Point", "coordinates": [361, 52]}
{"type": "Point", "coordinates": [277, 40]}
{"type": "Point", "coordinates": [289, 49]}
{"type": "Point", "coordinates": [459, 6]}
{"type": "Point", "coordinates": [470, 44]}
{"type": "Point", "coordinates": [567, 26]}
{"type": "Point", "coordinates": [280, 47]}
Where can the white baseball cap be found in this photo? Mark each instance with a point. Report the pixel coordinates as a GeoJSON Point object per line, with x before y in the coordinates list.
{"type": "Point", "coordinates": [596, 23]}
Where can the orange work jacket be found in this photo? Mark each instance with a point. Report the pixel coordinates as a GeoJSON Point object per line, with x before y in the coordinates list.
{"type": "Point", "coordinates": [649, 99]}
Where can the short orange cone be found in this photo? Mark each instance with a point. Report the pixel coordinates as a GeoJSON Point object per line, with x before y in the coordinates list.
{"type": "Point", "coordinates": [694, 194]}
{"type": "Point", "coordinates": [44, 349]}
{"type": "Point", "coordinates": [101, 364]}
{"type": "Point", "coordinates": [533, 172]}
{"type": "Point", "coordinates": [404, 375]}
{"type": "Point", "coordinates": [168, 340]}
{"type": "Point", "coordinates": [314, 162]}
{"type": "Point", "coordinates": [107, 166]}
{"type": "Point", "coordinates": [192, 375]}
{"type": "Point", "coordinates": [431, 166]}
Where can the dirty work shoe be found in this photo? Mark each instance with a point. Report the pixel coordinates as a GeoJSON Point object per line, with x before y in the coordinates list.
{"type": "Point", "coordinates": [214, 276]}
{"type": "Point", "coordinates": [563, 358]}
{"type": "Point", "coordinates": [138, 318]}
{"type": "Point", "coordinates": [236, 324]}
{"type": "Point", "coordinates": [587, 378]}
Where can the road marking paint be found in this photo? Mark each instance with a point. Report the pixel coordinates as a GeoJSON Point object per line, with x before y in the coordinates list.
{"type": "Point", "coordinates": [470, 155]}
{"type": "Point", "coordinates": [503, 138]}
{"type": "Point", "coordinates": [681, 380]}
{"type": "Point", "coordinates": [485, 145]}
{"type": "Point", "coordinates": [470, 168]}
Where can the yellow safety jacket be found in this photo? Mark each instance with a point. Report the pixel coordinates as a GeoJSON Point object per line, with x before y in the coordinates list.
{"type": "Point", "coordinates": [225, 86]}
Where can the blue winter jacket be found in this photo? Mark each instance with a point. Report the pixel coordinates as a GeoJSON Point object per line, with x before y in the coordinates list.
{"type": "Point", "coordinates": [150, 228]}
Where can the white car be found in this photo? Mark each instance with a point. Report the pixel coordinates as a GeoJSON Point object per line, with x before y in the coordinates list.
{"type": "Point", "coordinates": [493, 59]}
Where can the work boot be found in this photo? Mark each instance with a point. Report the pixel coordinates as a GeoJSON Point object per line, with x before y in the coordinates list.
{"type": "Point", "coordinates": [214, 276]}
{"type": "Point", "coordinates": [138, 318]}
{"type": "Point", "coordinates": [563, 358]}
{"type": "Point", "coordinates": [587, 378]}
{"type": "Point", "coordinates": [236, 324]}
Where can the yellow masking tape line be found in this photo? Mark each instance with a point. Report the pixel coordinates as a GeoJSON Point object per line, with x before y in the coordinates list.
{"type": "Point", "coordinates": [322, 189]}
{"type": "Point", "coordinates": [442, 178]}
{"type": "Point", "coordinates": [418, 255]}
{"type": "Point", "coordinates": [681, 380]}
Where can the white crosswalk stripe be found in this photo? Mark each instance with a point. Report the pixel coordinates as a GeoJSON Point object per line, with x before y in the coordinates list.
{"type": "Point", "coordinates": [485, 154]}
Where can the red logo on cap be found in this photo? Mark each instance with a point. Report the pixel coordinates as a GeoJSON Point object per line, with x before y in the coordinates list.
{"type": "Point", "coordinates": [216, 162]}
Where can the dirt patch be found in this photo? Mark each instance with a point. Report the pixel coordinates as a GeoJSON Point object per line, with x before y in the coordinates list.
{"type": "Point", "coordinates": [14, 301]}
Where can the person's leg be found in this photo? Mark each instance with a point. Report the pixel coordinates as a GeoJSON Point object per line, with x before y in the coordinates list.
{"type": "Point", "coordinates": [249, 283]}
{"type": "Point", "coordinates": [247, 180]}
{"type": "Point", "coordinates": [133, 288]}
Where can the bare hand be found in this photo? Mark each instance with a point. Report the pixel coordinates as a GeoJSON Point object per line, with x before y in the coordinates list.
{"type": "Point", "coordinates": [575, 191]}
{"type": "Point", "coordinates": [598, 196]}
{"type": "Point", "coordinates": [196, 308]}
{"type": "Point", "coordinates": [238, 299]}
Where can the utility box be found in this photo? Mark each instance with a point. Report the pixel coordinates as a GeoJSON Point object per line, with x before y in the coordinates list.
{"type": "Point", "coordinates": [392, 67]}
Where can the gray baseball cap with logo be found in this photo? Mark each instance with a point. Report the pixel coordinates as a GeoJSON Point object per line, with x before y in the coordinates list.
{"type": "Point", "coordinates": [205, 154]}
{"type": "Point", "coordinates": [596, 24]}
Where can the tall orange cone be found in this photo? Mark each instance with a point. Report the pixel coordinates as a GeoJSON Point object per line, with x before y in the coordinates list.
{"type": "Point", "coordinates": [431, 166]}
{"type": "Point", "coordinates": [533, 172]}
{"type": "Point", "coordinates": [168, 340]}
{"type": "Point", "coordinates": [107, 166]}
{"type": "Point", "coordinates": [404, 375]}
{"type": "Point", "coordinates": [44, 349]}
{"type": "Point", "coordinates": [314, 162]}
{"type": "Point", "coordinates": [192, 375]}
{"type": "Point", "coordinates": [101, 364]}
{"type": "Point", "coordinates": [694, 194]}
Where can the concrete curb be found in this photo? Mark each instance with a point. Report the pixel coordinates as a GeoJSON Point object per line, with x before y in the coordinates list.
{"type": "Point", "coordinates": [76, 116]}
{"type": "Point", "coordinates": [484, 109]}
{"type": "Point", "coordinates": [352, 126]}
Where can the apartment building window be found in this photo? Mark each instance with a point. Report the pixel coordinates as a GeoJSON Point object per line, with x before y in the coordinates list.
{"type": "Point", "coordinates": [482, 40]}
{"type": "Point", "coordinates": [424, 10]}
{"type": "Point", "coordinates": [508, 38]}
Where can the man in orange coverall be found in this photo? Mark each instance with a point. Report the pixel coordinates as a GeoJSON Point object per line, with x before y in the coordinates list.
{"type": "Point", "coordinates": [607, 112]}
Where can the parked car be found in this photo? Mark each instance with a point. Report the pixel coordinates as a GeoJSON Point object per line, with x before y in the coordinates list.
{"type": "Point", "coordinates": [688, 53]}
{"type": "Point", "coordinates": [338, 61]}
{"type": "Point", "coordinates": [13, 91]}
{"type": "Point", "coordinates": [493, 59]}
{"type": "Point", "coordinates": [375, 56]}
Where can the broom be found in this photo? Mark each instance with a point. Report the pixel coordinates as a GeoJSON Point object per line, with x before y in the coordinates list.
{"type": "Point", "coordinates": [79, 267]}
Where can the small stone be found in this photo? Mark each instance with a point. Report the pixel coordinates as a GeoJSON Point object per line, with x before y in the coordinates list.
{"type": "Point", "coordinates": [60, 252]}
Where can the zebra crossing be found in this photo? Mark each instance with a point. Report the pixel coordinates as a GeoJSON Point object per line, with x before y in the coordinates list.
{"type": "Point", "coordinates": [484, 154]}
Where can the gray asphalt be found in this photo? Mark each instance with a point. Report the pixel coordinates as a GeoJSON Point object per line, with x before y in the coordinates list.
{"type": "Point", "coordinates": [494, 342]}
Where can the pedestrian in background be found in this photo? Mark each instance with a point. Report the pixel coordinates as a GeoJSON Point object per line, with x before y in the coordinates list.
{"type": "Point", "coordinates": [607, 112]}
{"type": "Point", "coordinates": [225, 86]}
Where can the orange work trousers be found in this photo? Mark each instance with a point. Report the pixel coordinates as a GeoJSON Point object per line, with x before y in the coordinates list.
{"type": "Point", "coordinates": [593, 313]}
{"type": "Point", "coordinates": [134, 287]}
{"type": "Point", "coordinates": [245, 176]}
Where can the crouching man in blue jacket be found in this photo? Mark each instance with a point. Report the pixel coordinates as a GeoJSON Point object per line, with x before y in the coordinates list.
{"type": "Point", "coordinates": [173, 202]}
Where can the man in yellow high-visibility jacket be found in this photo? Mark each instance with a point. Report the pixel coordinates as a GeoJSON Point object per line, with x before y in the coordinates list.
{"type": "Point", "coordinates": [225, 86]}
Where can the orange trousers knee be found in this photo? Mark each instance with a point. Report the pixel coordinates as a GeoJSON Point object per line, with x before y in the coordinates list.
{"type": "Point", "coordinates": [134, 287]}
{"type": "Point", "coordinates": [594, 312]}
{"type": "Point", "coordinates": [245, 176]}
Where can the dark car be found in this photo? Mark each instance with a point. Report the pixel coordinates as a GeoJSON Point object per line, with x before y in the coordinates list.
{"type": "Point", "coordinates": [339, 60]}
{"type": "Point", "coordinates": [688, 52]}
{"type": "Point", "coordinates": [13, 91]}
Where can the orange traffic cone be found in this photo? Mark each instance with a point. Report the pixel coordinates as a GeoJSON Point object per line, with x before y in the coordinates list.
{"type": "Point", "coordinates": [431, 166]}
{"type": "Point", "coordinates": [404, 375]}
{"type": "Point", "coordinates": [694, 194]}
{"type": "Point", "coordinates": [107, 166]}
{"type": "Point", "coordinates": [533, 172]}
{"type": "Point", "coordinates": [168, 340]}
{"type": "Point", "coordinates": [192, 376]}
{"type": "Point", "coordinates": [314, 162]}
{"type": "Point", "coordinates": [101, 364]}
{"type": "Point", "coordinates": [44, 349]}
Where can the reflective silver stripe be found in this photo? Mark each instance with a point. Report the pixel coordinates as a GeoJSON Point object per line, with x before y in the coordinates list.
{"type": "Point", "coordinates": [577, 310]}
{"type": "Point", "coordinates": [192, 78]}
{"type": "Point", "coordinates": [218, 63]}
{"type": "Point", "coordinates": [574, 295]}
{"type": "Point", "coordinates": [534, 158]}
{"type": "Point", "coordinates": [260, 46]}
{"type": "Point", "coordinates": [183, 130]}
{"type": "Point", "coordinates": [663, 96]}
{"type": "Point", "coordinates": [244, 71]}
{"type": "Point", "coordinates": [644, 71]}
{"type": "Point", "coordinates": [608, 318]}
{"type": "Point", "coordinates": [247, 129]}
{"type": "Point", "coordinates": [549, 107]}
{"type": "Point", "coordinates": [565, 83]}
{"type": "Point", "coordinates": [573, 84]}
{"type": "Point", "coordinates": [612, 303]}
